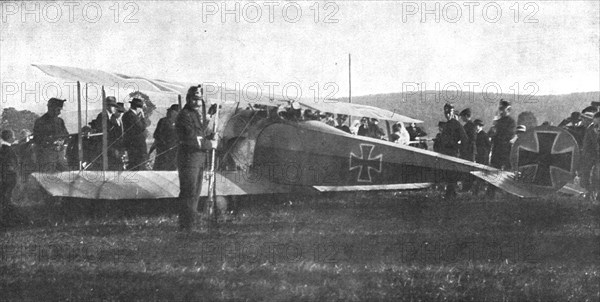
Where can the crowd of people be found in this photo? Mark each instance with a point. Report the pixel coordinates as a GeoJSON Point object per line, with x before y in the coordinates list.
{"type": "Point", "coordinates": [182, 138]}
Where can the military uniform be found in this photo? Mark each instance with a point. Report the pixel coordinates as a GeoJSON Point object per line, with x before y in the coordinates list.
{"type": "Point", "coordinates": [451, 136]}
{"type": "Point", "coordinates": [49, 136]}
{"type": "Point", "coordinates": [191, 162]}
{"type": "Point", "coordinates": [470, 143]}
{"type": "Point", "coordinates": [483, 145]}
{"type": "Point", "coordinates": [504, 132]}
{"type": "Point", "coordinates": [589, 157]}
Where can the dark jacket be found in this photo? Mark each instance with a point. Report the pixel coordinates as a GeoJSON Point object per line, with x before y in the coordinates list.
{"type": "Point", "coordinates": [437, 143]}
{"type": "Point", "coordinates": [470, 144]}
{"type": "Point", "coordinates": [589, 149]}
{"type": "Point", "coordinates": [165, 136]}
{"type": "Point", "coordinates": [451, 136]}
{"type": "Point", "coordinates": [48, 131]}
{"type": "Point", "coordinates": [483, 146]}
{"type": "Point", "coordinates": [578, 133]}
{"type": "Point", "coordinates": [189, 126]}
{"type": "Point", "coordinates": [8, 164]}
{"type": "Point", "coordinates": [504, 132]}
{"type": "Point", "coordinates": [135, 130]}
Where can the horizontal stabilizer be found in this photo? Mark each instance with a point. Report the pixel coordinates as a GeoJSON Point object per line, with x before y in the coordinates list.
{"type": "Point", "coordinates": [572, 189]}
{"type": "Point", "coordinates": [506, 181]}
{"type": "Point", "coordinates": [415, 186]}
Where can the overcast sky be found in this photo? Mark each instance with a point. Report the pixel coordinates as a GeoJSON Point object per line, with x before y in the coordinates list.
{"type": "Point", "coordinates": [552, 44]}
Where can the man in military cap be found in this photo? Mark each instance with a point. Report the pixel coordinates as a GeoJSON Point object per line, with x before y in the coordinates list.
{"type": "Point", "coordinates": [50, 136]}
{"type": "Point", "coordinates": [471, 131]}
{"type": "Point", "coordinates": [590, 155]}
{"type": "Point", "coordinates": [468, 147]}
{"type": "Point", "coordinates": [501, 134]}
{"type": "Point", "coordinates": [574, 124]}
{"type": "Point", "coordinates": [134, 136]}
{"type": "Point", "coordinates": [451, 143]}
{"type": "Point", "coordinates": [195, 139]}
{"type": "Point", "coordinates": [165, 141]}
{"type": "Point", "coordinates": [504, 130]}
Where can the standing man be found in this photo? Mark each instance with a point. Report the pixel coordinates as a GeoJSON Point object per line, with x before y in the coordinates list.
{"type": "Point", "coordinates": [482, 144]}
{"type": "Point", "coordinates": [482, 153]}
{"type": "Point", "coordinates": [504, 130]}
{"type": "Point", "coordinates": [134, 137]}
{"type": "Point", "coordinates": [96, 125]}
{"type": "Point", "coordinates": [452, 138]}
{"type": "Point", "coordinates": [501, 134]}
{"type": "Point", "coordinates": [111, 108]}
{"type": "Point", "coordinates": [115, 139]}
{"type": "Point", "coordinates": [8, 174]}
{"type": "Point", "coordinates": [195, 138]}
{"type": "Point", "coordinates": [468, 150]}
{"type": "Point", "coordinates": [471, 131]}
{"type": "Point", "coordinates": [50, 136]}
{"type": "Point", "coordinates": [590, 155]}
{"type": "Point", "coordinates": [165, 141]}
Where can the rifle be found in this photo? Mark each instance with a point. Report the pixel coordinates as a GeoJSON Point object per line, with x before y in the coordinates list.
{"type": "Point", "coordinates": [212, 179]}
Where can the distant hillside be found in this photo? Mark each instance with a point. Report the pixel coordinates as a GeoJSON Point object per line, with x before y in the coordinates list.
{"type": "Point", "coordinates": [427, 106]}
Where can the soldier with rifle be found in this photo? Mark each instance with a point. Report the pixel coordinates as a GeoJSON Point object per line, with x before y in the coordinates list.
{"type": "Point", "coordinates": [195, 140]}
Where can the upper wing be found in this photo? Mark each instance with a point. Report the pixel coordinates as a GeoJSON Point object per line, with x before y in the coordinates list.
{"type": "Point", "coordinates": [359, 111]}
{"type": "Point", "coordinates": [212, 92]}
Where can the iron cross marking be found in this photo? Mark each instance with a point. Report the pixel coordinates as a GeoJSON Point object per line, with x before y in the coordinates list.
{"type": "Point", "coordinates": [365, 163]}
{"type": "Point", "coordinates": [545, 158]}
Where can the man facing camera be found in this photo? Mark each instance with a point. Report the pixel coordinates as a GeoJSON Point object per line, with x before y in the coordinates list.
{"type": "Point", "coordinates": [195, 139]}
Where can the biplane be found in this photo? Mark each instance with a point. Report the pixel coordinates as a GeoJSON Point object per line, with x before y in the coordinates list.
{"type": "Point", "coordinates": [262, 153]}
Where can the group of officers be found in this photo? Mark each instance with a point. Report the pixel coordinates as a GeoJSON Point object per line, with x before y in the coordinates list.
{"type": "Point", "coordinates": [468, 141]}
{"type": "Point", "coordinates": [182, 141]}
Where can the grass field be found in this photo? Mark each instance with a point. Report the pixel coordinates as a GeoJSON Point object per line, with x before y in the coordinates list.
{"type": "Point", "coordinates": [385, 246]}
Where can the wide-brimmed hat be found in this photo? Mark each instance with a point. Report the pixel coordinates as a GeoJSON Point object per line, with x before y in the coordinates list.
{"type": "Point", "coordinates": [111, 101]}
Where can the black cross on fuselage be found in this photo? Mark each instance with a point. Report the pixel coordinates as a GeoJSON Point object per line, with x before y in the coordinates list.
{"type": "Point", "coordinates": [545, 158]}
{"type": "Point", "coordinates": [365, 163]}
